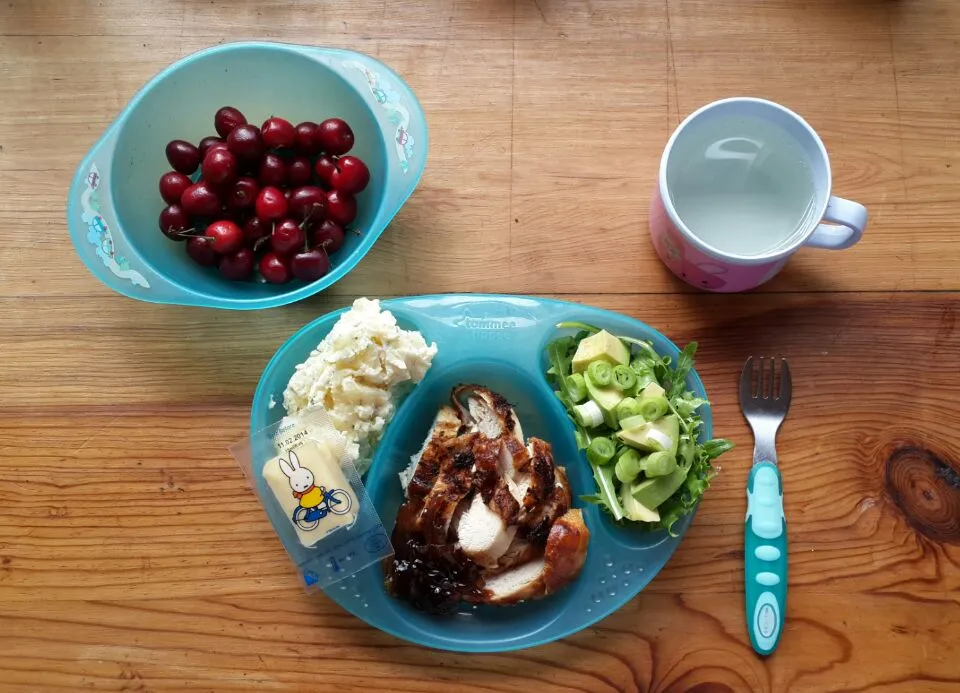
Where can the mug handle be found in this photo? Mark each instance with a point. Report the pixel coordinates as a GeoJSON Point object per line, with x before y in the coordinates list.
{"type": "Point", "coordinates": [849, 220]}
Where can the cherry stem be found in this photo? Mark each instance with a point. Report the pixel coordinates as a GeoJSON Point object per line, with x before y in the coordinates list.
{"type": "Point", "coordinates": [313, 208]}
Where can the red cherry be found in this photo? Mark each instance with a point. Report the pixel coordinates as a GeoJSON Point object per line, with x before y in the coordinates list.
{"type": "Point", "coordinates": [201, 251]}
{"type": "Point", "coordinates": [272, 171]}
{"type": "Point", "coordinates": [308, 142]}
{"type": "Point", "coordinates": [183, 156]}
{"type": "Point", "coordinates": [324, 168]}
{"type": "Point", "coordinates": [206, 143]}
{"type": "Point", "coordinates": [298, 172]}
{"type": "Point", "coordinates": [341, 207]}
{"type": "Point", "coordinates": [274, 268]}
{"type": "Point", "coordinates": [271, 204]}
{"type": "Point", "coordinates": [172, 185]}
{"type": "Point", "coordinates": [226, 236]}
{"type": "Point", "coordinates": [200, 200]}
{"type": "Point", "coordinates": [227, 119]}
{"type": "Point", "coordinates": [243, 194]}
{"type": "Point", "coordinates": [329, 236]}
{"type": "Point", "coordinates": [335, 136]}
{"type": "Point", "coordinates": [219, 166]}
{"type": "Point", "coordinates": [278, 132]}
{"type": "Point", "coordinates": [174, 221]}
{"type": "Point", "coordinates": [287, 237]}
{"type": "Point", "coordinates": [310, 265]}
{"type": "Point", "coordinates": [237, 266]}
{"type": "Point", "coordinates": [255, 229]}
{"type": "Point", "coordinates": [217, 146]}
{"type": "Point", "coordinates": [221, 190]}
{"type": "Point", "coordinates": [351, 175]}
{"type": "Point", "coordinates": [308, 203]}
{"type": "Point", "coordinates": [245, 141]}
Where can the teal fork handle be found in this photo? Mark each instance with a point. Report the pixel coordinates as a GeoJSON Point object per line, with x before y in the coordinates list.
{"type": "Point", "coordinates": [765, 558]}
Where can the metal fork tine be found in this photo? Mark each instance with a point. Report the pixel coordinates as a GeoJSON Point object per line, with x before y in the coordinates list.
{"type": "Point", "coordinates": [762, 378]}
{"type": "Point", "coordinates": [785, 383]}
{"type": "Point", "coordinates": [772, 389]}
{"type": "Point", "coordinates": [746, 380]}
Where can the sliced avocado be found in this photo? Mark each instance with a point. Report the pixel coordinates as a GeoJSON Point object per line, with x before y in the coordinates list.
{"type": "Point", "coordinates": [634, 509]}
{"type": "Point", "coordinates": [652, 492]}
{"type": "Point", "coordinates": [607, 398]}
{"type": "Point", "coordinates": [601, 346]}
{"type": "Point", "coordinates": [653, 390]}
{"type": "Point", "coordinates": [654, 436]}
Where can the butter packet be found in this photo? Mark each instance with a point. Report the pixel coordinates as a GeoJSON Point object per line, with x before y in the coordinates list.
{"type": "Point", "coordinates": [302, 470]}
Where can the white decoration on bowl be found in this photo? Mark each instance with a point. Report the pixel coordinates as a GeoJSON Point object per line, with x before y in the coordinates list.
{"type": "Point", "coordinates": [98, 233]}
{"type": "Point", "coordinates": [391, 101]}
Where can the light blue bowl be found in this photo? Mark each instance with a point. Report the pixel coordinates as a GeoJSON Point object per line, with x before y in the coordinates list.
{"type": "Point", "coordinates": [114, 201]}
{"type": "Point", "coordinates": [497, 341]}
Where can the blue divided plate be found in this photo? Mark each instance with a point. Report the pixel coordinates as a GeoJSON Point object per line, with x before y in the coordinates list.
{"type": "Point", "coordinates": [499, 342]}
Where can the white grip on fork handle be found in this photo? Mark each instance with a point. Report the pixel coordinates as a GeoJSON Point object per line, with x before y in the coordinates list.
{"type": "Point", "coordinates": [848, 218]}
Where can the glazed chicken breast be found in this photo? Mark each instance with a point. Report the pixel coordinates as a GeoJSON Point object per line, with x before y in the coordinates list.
{"type": "Point", "coordinates": [486, 516]}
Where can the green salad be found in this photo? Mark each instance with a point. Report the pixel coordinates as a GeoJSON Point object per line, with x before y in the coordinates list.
{"type": "Point", "coordinates": [637, 422]}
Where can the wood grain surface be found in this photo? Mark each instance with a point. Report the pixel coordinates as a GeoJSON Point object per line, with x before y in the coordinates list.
{"type": "Point", "coordinates": [119, 569]}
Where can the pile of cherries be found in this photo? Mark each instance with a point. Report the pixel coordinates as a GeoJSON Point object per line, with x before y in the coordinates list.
{"type": "Point", "coordinates": [276, 198]}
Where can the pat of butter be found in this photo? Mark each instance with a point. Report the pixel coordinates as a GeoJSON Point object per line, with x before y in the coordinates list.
{"type": "Point", "coordinates": [309, 484]}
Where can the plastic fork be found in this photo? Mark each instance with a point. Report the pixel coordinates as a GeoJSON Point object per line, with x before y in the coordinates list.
{"type": "Point", "coordinates": [765, 399]}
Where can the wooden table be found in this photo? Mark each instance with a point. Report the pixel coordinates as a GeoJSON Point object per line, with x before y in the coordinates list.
{"type": "Point", "coordinates": [120, 569]}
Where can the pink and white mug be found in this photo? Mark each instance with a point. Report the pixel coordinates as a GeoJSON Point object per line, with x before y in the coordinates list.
{"type": "Point", "coordinates": [744, 183]}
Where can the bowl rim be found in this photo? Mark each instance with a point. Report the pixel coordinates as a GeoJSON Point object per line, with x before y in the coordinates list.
{"type": "Point", "coordinates": [185, 295]}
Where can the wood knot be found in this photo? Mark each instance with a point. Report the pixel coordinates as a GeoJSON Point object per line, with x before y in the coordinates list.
{"type": "Point", "coordinates": [926, 489]}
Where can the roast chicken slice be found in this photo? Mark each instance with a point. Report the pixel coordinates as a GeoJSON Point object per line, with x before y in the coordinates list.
{"type": "Point", "coordinates": [483, 533]}
{"type": "Point", "coordinates": [562, 559]}
{"type": "Point", "coordinates": [446, 424]}
{"type": "Point", "coordinates": [487, 411]}
{"type": "Point", "coordinates": [454, 484]}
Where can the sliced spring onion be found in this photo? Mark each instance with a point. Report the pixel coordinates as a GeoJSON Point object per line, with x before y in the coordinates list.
{"type": "Point", "coordinates": [600, 373]}
{"type": "Point", "coordinates": [576, 387]}
{"type": "Point", "coordinates": [627, 408]}
{"type": "Point", "coordinates": [664, 441]}
{"type": "Point", "coordinates": [588, 414]}
{"type": "Point", "coordinates": [624, 379]}
{"type": "Point", "coordinates": [600, 450]}
{"type": "Point", "coordinates": [659, 464]}
{"type": "Point", "coordinates": [653, 407]}
{"type": "Point", "coordinates": [631, 422]}
{"type": "Point", "coordinates": [628, 466]}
